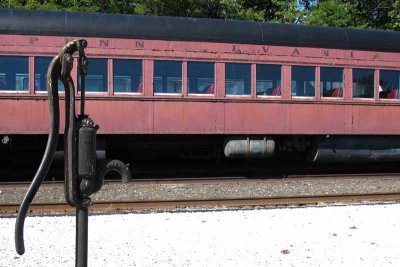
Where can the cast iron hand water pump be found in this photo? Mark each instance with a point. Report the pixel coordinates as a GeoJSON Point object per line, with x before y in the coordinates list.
{"type": "Point", "coordinates": [83, 174]}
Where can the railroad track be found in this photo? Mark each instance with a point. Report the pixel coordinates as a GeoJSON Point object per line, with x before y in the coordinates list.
{"type": "Point", "coordinates": [213, 192]}
{"type": "Point", "coordinates": [117, 206]}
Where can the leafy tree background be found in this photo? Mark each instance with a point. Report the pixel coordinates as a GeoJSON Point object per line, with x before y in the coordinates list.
{"type": "Point", "coordinates": [374, 14]}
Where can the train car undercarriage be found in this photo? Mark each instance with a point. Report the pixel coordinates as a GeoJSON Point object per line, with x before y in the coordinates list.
{"type": "Point", "coordinates": [220, 155]}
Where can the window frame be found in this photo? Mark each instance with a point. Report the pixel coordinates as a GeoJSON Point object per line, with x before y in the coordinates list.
{"type": "Point", "coordinates": [154, 93]}
{"type": "Point", "coordinates": [25, 92]}
{"type": "Point", "coordinates": [45, 92]}
{"type": "Point", "coordinates": [314, 97]}
{"type": "Point", "coordinates": [102, 93]}
{"type": "Point", "coordinates": [187, 79]}
{"type": "Point", "coordinates": [373, 98]}
{"type": "Point", "coordinates": [112, 75]}
{"type": "Point", "coordinates": [379, 78]}
{"type": "Point", "coordinates": [344, 84]}
{"type": "Point", "coordinates": [245, 96]}
{"type": "Point", "coordinates": [281, 83]}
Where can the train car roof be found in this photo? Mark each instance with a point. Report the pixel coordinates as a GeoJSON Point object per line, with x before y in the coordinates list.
{"type": "Point", "coordinates": [32, 22]}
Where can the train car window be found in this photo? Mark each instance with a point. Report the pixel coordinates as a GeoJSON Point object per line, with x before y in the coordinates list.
{"type": "Point", "coordinates": [200, 77]}
{"type": "Point", "coordinates": [237, 79]}
{"type": "Point", "coordinates": [96, 78]}
{"type": "Point", "coordinates": [389, 84]}
{"type": "Point", "coordinates": [167, 77]}
{"type": "Point", "coordinates": [331, 80]}
{"type": "Point", "coordinates": [303, 81]}
{"type": "Point", "coordinates": [363, 83]}
{"type": "Point", "coordinates": [268, 80]}
{"type": "Point", "coordinates": [128, 77]}
{"type": "Point", "coordinates": [41, 66]}
{"type": "Point", "coordinates": [14, 73]}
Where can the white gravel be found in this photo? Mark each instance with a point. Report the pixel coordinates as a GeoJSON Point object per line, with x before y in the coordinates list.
{"type": "Point", "coordinates": [360, 235]}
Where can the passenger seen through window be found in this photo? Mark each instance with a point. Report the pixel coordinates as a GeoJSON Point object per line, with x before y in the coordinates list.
{"type": "Point", "coordinates": [389, 84]}
{"type": "Point", "coordinates": [268, 80]}
{"type": "Point", "coordinates": [363, 83]}
{"type": "Point", "coordinates": [331, 82]}
{"type": "Point", "coordinates": [200, 77]}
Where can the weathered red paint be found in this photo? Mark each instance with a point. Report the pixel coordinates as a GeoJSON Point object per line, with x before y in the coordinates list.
{"type": "Point", "coordinates": [125, 48]}
{"type": "Point", "coordinates": [145, 113]}
{"type": "Point", "coordinates": [169, 116]}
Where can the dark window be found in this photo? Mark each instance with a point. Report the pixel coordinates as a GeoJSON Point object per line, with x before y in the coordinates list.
{"type": "Point", "coordinates": [268, 80]}
{"type": "Point", "coordinates": [237, 79]}
{"type": "Point", "coordinates": [167, 77]}
{"type": "Point", "coordinates": [200, 77]}
{"type": "Point", "coordinates": [303, 81]}
{"type": "Point", "coordinates": [96, 78]}
{"type": "Point", "coordinates": [331, 82]}
{"type": "Point", "coordinates": [14, 73]}
{"type": "Point", "coordinates": [127, 76]}
{"type": "Point", "coordinates": [41, 67]}
{"type": "Point", "coordinates": [363, 83]}
{"type": "Point", "coordinates": [389, 84]}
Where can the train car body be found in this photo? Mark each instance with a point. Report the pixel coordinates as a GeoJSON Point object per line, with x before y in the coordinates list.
{"type": "Point", "coordinates": [181, 79]}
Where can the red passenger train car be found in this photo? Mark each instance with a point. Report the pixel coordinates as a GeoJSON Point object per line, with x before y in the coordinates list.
{"type": "Point", "coordinates": [207, 88]}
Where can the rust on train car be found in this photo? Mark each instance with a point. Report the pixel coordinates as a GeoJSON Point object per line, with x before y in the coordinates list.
{"type": "Point", "coordinates": [181, 117]}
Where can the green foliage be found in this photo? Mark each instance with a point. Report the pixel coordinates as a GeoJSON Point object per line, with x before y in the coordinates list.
{"type": "Point", "coordinates": [394, 15]}
{"type": "Point", "coordinates": [221, 9]}
{"type": "Point", "coordinates": [287, 12]}
{"type": "Point", "coordinates": [373, 13]}
{"type": "Point", "coordinates": [379, 14]}
{"type": "Point", "coordinates": [258, 10]}
{"type": "Point", "coordinates": [282, 11]}
{"type": "Point", "coordinates": [325, 13]}
{"type": "Point", "coordinates": [113, 6]}
{"type": "Point", "coordinates": [376, 14]}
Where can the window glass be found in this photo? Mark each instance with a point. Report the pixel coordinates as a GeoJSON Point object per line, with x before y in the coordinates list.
{"type": "Point", "coordinates": [363, 83]}
{"type": "Point", "coordinates": [268, 80]}
{"type": "Point", "coordinates": [96, 78]}
{"type": "Point", "coordinates": [237, 79]}
{"type": "Point", "coordinates": [41, 67]}
{"type": "Point", "coordinates": [389, 84]}
{"type": "Point", "coordinates": [331, 82]}
{"type": "Point", "coordinates": [127, 76]}
{"type": "Point", "coordinates": [200, 77]}
{"type": "Point", "coordinates": [303, 81]}
{"type": "Point", "coordinates": [14, 73]}
{"type": "Point", "coordinates": [167, 77]}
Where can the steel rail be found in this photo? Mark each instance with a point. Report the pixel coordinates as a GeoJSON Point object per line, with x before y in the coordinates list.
{"type": "Point", "coordinates": [115, 206]}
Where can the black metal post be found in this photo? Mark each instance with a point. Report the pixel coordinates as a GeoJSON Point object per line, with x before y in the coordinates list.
{"type": "Point", "coordinates": [83, 202]}
{"type": "Point", "coordinates": [81, 246]}
{"type": "Point", "coordinates": [82, 75]}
